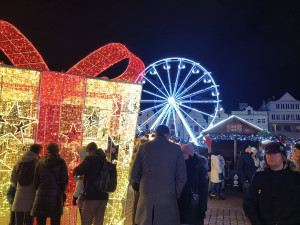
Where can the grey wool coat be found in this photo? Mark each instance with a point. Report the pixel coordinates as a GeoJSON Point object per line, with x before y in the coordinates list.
{"type": "Point", "coordinates": [160, 170]}
{"type": "Point", "coordinates": [24, 194]}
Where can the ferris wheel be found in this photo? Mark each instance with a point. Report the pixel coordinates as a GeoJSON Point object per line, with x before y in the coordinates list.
{"type": "Point", "coordinates": [181, 94]}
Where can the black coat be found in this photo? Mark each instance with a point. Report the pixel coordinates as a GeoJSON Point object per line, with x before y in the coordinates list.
{"type": "Point", "coordinates": [50, 180]}
{"type": "Point", "coordinates": [197, 182]}
{"type": "Point", "coordinates": [246, 167]}
{"type": "Point", "coordinates": [274, 198]}
{"type": "Point", "coordinates": [91, 167]}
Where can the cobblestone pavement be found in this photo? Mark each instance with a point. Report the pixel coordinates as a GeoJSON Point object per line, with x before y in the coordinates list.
{"type": "Point", "coordinates": [220, 212]}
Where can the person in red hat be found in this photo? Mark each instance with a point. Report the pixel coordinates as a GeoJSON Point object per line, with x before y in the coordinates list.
{"type": "Point", "coordinates": [273, 196]}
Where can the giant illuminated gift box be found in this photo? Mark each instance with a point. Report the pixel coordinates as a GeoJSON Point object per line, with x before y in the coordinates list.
{"type": "Point", "coordinates": [38, 105]}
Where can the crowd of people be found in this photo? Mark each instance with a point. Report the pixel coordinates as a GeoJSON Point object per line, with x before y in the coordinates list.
{"type": "Point", "coordinates": [38, 186]}
{"type": "Point", "coordinates": [171, 182]}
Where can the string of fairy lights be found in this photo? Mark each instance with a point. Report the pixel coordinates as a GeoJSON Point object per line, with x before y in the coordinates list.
{"type": "Point", "coordinates": [42, 106]}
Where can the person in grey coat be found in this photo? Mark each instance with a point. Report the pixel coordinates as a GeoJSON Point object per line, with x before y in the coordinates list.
{"type": "Point", "coordinates": [160, 171]}
{"type": "Point", "coordinates": [23, 171]}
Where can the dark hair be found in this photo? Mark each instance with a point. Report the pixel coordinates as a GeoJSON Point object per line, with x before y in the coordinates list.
{"type": "Point", "coordinates": [91, 147]}
{"type": "Point", "coordinates": [36, 148]}
{"type": "Point", "coordinates": [52, 148]}
{"type": "Point", "coordinates": [246, 145]}
{"type": "Point", "coordinates": [216, 153]}
{"type": "Point", "coordinates": [161, 130]}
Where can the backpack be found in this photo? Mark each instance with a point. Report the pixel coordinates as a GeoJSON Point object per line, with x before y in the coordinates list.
{"type": "Point", "coordinates": [107, 181]}
{"type": "Point", "coordinates": [26, 173]}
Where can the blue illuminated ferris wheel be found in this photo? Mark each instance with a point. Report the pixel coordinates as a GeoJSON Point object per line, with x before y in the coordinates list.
{"type": "Point", "coordinates": [181, 94]}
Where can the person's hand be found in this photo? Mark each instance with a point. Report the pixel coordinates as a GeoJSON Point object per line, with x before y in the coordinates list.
{"type": "Point", "coordinates": [74, 201]}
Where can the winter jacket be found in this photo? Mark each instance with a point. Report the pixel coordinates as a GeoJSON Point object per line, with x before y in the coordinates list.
{"type": "Point", "coordinates": [160, 170]}
{"type": "Point", "coordinates": [91, 169]}
{"type": "Point", "coordinates": [273, 198]}
{"type": "Point", "coordinates": [50, 180]}
{"type": "Point", "coordinates": [246, 167]}
{"type": "Point", "coordinates": [217, 167]}
{"type": "Point", "coordinates": [197, 183]}
{"type": "Point", "coordinates": [24, 196]}
{"type": "Point", "coordinates": [79, 182]}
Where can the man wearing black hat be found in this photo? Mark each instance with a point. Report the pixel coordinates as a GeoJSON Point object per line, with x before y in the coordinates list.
{"type": "Point", "coordinates": [274, 195]}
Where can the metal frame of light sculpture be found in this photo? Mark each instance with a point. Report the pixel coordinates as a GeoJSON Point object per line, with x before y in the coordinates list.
{"type": "Point", "coordinates": [44, 106]}
{"type": "Point", "coordinates": [173, 97]}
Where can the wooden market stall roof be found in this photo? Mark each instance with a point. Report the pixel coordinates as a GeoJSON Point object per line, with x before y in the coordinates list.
{"type": "Point", "coordinates": [233, 125]}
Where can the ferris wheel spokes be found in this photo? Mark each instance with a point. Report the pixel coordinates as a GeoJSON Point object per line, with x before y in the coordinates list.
{"type": "Point", "coordinates": [151, 101]}
{"type": "Point", "coordinates": [168, 119]}
{"type": "Point", "coordinates": [174, 119]}
{"type": "Point", "coordinates": [167, 67]}
{"type": "Point", "coordinates": [155, 86]}
{"type": "Point", "coordinates": [196, 110]}
{"type": "Point", "coordinates": [153, 107]}
{"type": "Point", "coordinates": [151, 93]}
{"type": "Point", "coordinates": [150, 118]}
{"type": "Point", "coordinates": [184, 81]}
{"type": "Point", "coordinates": [160, 116]}
{"type": "Point", "coordinates": [191, 86]}
{"type": "Point", "coordinates": [177, 77]}
{"type": "Point", "coordinates": [200, 101]}
{"type": "Point", "coordinates": [157, 74]}
{"type": "Point", "coordinates": [191, 118]}
{"type": "Point", "coordinates": [166, 115]}
{"type": "Point", "coordinates": [195, 93]}
{"type": "Point", "coordinates": [187, 127]}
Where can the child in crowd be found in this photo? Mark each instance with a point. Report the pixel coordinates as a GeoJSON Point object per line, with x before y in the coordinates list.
{"type": "Point", "coordinates": [78, 193]}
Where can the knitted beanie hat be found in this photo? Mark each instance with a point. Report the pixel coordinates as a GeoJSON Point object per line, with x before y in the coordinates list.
{"type": "Point", "coordinates": [188, 148]}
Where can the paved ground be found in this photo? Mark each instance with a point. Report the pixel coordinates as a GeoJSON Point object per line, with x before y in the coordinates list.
{"type": "Point", "coordinates": [220, 212]}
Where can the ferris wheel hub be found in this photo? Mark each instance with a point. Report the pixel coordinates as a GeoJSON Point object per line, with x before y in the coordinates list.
{"type": "Point", "coordinates": [171, 100]}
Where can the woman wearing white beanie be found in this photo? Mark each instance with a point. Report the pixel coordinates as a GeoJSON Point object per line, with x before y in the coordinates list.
{"type": "Point", "coordinates": [216, 174]}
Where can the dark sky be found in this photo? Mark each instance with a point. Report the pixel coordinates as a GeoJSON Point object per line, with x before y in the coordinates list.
{"type": "Point", "coordinates": [252, 47]}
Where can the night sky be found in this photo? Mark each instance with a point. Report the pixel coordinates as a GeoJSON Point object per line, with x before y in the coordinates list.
{"type": "Point", "coordinates": [251, 47]}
